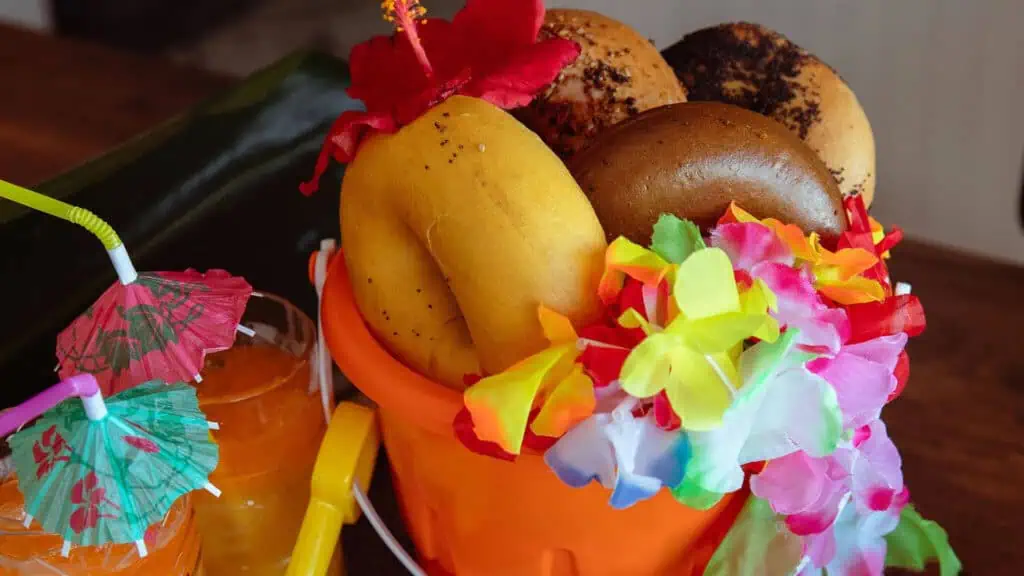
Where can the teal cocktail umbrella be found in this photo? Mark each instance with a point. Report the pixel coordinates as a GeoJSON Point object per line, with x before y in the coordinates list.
{"type": "Point", "coordinates": [96, 471]}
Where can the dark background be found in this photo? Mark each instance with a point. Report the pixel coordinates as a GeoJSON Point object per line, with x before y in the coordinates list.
{"type": "Point", "coordinates": [148, 26]}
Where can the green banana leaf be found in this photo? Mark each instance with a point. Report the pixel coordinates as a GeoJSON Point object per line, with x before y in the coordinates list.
{"type": "Point", "coordinates": [214, 188]}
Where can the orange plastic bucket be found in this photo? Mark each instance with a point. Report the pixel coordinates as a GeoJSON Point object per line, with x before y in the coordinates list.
{"type": "Point", "coordinates": [471, 515]}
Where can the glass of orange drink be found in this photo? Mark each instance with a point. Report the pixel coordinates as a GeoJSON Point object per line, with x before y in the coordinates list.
{"type": "Point", "coordinates": [264, 394]}
{"type": "Point", "coordinates": [174, 545]}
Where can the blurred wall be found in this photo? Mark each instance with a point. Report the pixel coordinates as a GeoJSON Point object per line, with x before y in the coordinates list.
{"type": "Point", "coordinates": [942, 82]}
{"type": "Point", "coordinates": [34, 14]}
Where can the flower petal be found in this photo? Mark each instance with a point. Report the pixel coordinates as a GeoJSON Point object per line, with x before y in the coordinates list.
{"type": "Point", "coordinates": [665, 417]}
{"type": "Point", "coordinates": [721, 333]}
{"type": "Point", "coordinates": [859, 548]}
{"type": "Point", "coordinates": [736, 214]}
{"type": "Point", "coordinates": [501, 404]}
{"type": "Point", "coordinates": [464, 431]}
{"type": "Point", "coordinates": [571, 401]}
{"type": "Point", "coordinates": [646, 370]}
{"type": "Point", "coordinates": [674, 239]}
{"type": "Point", "coordinates": [846, 263]}
{"type": "Point", "coordinates": [705, 285]}
{"type": "Point", "coordinates": [697, 390]}
{"type": "Point", "coordinates": [891, 316]}
{"type": "Point", "coordinates": [879, 468]}
{"type": "Point", "coordinates": [495, 29]}
{"type": "Point", "coordinates": [646, 457]}
{"type": "Point", "coordinates": [749, 244]}
{"type": "Point", "coordinates": [884, 350]}
{"type": "Point", "coordinates": [861, 386]}
{"type": "Point", "coordinates": [800, 307]}
{"type": "Point", "coordinates": [624, 258]}
{"type": "Point", "coordinates": [523, 73]}
{"type": "Point", "coordinates": [800, 411]}
{"type": "Point", "coordinates": [793, 237]}
{"type": "Point", "coordinates": [584, 454]}
{"type": "Point", "coordinates": [660, 454]}
{"type": "Point", "coordinates": [821, 514]}
{"type": "Point", "coordinates": [344, 138]}
{"type": "Point", "coordinates": [795, 295]}
{"type": "Point", "coordinates": [792, 483]}
{"type": "Point", "coordinates": [630, 489]}
{"type": "Point", "coordinates": [557, 328]}
{"type": "Point", "coordinates": [381, 93]}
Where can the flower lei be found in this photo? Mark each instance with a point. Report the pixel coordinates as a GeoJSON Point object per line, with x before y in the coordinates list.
{"type": "Point", "coordinates": [755, 351]}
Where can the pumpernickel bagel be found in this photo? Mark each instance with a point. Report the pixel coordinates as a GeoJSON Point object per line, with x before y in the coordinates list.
{"type": "Point", "coordinates": [693, 159]}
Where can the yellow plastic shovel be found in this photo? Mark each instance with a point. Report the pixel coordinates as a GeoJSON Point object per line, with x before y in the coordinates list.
{"type": "Point", "coordinates": [346, 459]}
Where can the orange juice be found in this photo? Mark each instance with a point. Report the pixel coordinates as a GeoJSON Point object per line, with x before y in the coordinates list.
{"type": "Point", "coordinates": [271, 423]}
{"type": "Point", "coordinates": [173, 545]}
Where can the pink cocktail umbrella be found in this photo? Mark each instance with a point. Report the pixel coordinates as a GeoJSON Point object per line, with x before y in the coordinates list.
{"type": "Point", "coordinates": [154, 325]}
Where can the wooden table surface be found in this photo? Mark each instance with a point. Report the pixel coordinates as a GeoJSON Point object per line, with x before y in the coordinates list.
{"type": "Point", "coordinates": [959, 425]}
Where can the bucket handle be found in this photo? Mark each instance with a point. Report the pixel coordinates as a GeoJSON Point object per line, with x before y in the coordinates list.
{"type": "Point", "coordinates": [344, 463]}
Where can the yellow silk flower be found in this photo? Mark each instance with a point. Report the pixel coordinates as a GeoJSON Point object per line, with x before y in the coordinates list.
{"type": "Point", "coordinates": [693, 359]}
{"type": "Point", "coordinates": [624, 258]}
{"type": "Point", "coordinates": [500, 405]}
{"type": "Point", "coordinates": [837, 275]}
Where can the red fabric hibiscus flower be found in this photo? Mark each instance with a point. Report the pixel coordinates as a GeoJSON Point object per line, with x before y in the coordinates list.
{"type": "Point", "coordinates": [489, 50]}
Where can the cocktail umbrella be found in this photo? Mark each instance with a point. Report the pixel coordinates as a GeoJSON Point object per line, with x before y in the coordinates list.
{"type": "Point", "coordinates": [95, 471]}
{"type": "Point", "coordinates": [153, 325]}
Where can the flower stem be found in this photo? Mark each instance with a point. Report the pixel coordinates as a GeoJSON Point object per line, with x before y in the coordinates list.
{"type": "Point", "coordinates": [721, 374]}
{"type": "Point", "coordinates": [404, 13]}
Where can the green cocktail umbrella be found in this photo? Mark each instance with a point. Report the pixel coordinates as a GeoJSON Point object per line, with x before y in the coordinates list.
{"type": "Point", "coordinates": [96, 471]}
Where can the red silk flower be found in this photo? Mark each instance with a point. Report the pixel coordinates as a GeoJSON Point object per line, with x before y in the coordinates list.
{"type": "Point", "coordinates": [860, 235]}
{"type": "Point", "coordinates": [489, 50]}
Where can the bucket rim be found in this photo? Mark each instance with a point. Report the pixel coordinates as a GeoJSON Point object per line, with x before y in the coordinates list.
{"type": "Point", "coordinates": [393, 386]}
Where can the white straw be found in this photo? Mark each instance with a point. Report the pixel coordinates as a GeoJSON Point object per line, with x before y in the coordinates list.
{"type": "Point", "coordinates": [902, 289]}
{"type": "Point", "coordinates": [198, 378]}
{"type": "Point", "coordinates": [246, 330]}
{"type": "Point", "coordinates": [384, 533]}
{"type": "Point", "coordinates": [213, 425]}
{"type": "Point", "coordinates": [65, 548]}
{"type": "Point", "coordinates": [95, 408]}
{"type": "Point", "coordinates": [123, 265]}
{"type": "Point", "coordinates": [27, 521]}
{"type": "Point", "coordinates": [212, 489]}
{"type": "Point", "coordinates": [140, 545]}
